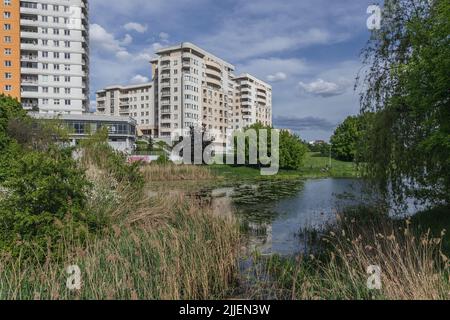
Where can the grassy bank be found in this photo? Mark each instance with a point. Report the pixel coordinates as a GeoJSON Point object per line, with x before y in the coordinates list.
{"type": "Point", "coordinates": [170, 250]}
{"type": "Point", "coordinates": [412, 262]}
{"type": "Point", "coordinates": [314, 166]}
{"type": "Point", "coordinates": [156, 247]}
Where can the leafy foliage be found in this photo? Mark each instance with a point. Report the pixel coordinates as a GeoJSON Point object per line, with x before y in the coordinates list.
{"type": "Point", "coordinates": [292, 151]}
{"type": "Point", "coordinates": [407, 85]}
{"type": "Point", "coordinates": [348, 138]}
{"type": "Point", "coordinates": [46, 194]}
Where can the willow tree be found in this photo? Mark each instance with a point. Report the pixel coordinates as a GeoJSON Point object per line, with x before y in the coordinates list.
{"type": "Point", "coordinates": [406, 82]}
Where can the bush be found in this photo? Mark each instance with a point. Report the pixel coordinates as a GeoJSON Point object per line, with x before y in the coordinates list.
{"type": "Point", "coordinates": [292, 151]}
{"type": "Point", "coordinates": [45, 197]}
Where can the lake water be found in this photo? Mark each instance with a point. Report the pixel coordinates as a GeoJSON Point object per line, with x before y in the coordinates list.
{"type": "Point", "coordinates": [276, 212]}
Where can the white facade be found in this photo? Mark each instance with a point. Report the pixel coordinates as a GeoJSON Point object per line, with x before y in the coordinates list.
{"type": "Point", "coordinates": [136, 101]}
{"type": "Point", "coordinates": [195, 88]}
{"type": "Point", "coordinates": [55, 56]}
{"type": "Point", "coordinates": [253, 102]}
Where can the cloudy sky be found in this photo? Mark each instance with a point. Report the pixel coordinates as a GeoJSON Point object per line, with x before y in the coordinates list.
{"type": "Point", "coordinates": [307, 49]}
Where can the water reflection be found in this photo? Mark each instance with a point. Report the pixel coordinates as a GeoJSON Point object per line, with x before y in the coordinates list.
{"type": "Point", "coordinates": [274, 212]}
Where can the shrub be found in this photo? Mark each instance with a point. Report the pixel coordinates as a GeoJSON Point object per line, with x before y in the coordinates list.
{"type": "Point", "coordinates": [45, 196]}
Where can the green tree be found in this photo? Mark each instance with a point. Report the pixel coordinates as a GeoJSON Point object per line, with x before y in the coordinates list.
{"type": "Point", "coordinates": [45, 198]}
{"type": "Point", "coordinates": [9, 109]}
{"type": "Point", "coordinates": [292, 151]}
{"type": "Point", "coordinates": [407, 83]}
{"type": "Point", "coordinates": [348, 137]}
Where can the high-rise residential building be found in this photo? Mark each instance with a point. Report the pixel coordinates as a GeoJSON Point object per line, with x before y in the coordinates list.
{"type": "Point", "coordinates": [253, 102]}
{"type": "Point", "coordinates": [136, 101]}
{"type": "Point", "coordinates": [45, 54]}
{"type": "Point", "coordinates": [195, 88]}
{"type": "Point", "coordinates": [191, 87]}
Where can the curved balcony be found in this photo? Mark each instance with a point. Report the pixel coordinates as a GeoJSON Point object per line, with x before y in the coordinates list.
{"type": "Point", "coordinates": [213, 82]}
{"type": "Point", "coordinates": [213, 73]}
{"type": "Point", "coordinates": [212, 65]}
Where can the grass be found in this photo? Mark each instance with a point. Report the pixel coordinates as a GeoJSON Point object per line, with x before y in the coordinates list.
{"type": "Point", "coordinates": [172, 172]}
{"type": "Point", "coordinates": [314, 166]}
{"type": "Point", "coordinates": [435, 220]}
{"type": "Point", "coordinates": [152, 247]}
{"type": "Point", "coordinates": [413, 264]}
{"type": "Point", "coordinates": [174, 250]}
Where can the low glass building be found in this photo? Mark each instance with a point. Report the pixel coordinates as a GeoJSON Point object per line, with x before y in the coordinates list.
{"type": "Point", "coordinates": [121, 130]}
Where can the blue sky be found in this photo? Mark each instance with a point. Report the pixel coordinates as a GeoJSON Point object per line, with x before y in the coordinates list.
{"type": "Point", "coordinates": [307, 49]}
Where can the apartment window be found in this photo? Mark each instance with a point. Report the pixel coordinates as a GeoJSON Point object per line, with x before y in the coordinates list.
{"type": "Point", "coordinates": [44, 54]}
{"type": "Point", "coordinates": [67, 56]}
{"type": "Point", "coordinates": [55, 31]}
{"type": "Point", "coordinates": [7, 2]}
{"type": "Point", "coordinates": [7, 15]}
{"type": "Point", "coordinates": [44, 30]}
{"type": "Point", "coordinates": [67, 90]}
{"type": "Point", "coordinates": [55, 8]}
{"type": "Point", "coordinates": [7, 26]}
{"type": "Point", "coordinates": [56, 67]}
{"type": "Point", "coordinates": [8, 75]}
{"type": "Point", "coordinates": [44, 6]}
{"type": "Point", "coordinates": [56, 43]}
{"type": "Point", "coordinates": [56, 55]}
{"type": "Point", "coordinates": [67, 67]}
{"type": "Point", "coordinates": [8, 87]}
{"type": "Point", "coordinates": [67, 32]}
{"type": "Point", "coordinates": [56, 102]}
{"type": "Point", "coordinates": [56, 90]}
{"type": "Point", "coordinates": [8, 63]}
{"type": "Point", "coordinates": [67, 44]}
{"type": "Point", "coordinates": [45, 66]}
{"type": "Point", "coordinates": [45, 42]}
{"type": "Point", "coordinates": [67, 79]}
{"type": "Point", "coordinates": [67, 102]}
{"type": "Point", "coordinates": [45, 89]}
{"type": "Point", "coordinates": [55, 19]}
{"type": "Point", "coordinates": [8, 52]}
{"type": "Point", "coordinates": [7, 39]}
{"type": "Point", "coordinates": [45, 101]}
{"type": "Point", "coordinates": [56, 78]}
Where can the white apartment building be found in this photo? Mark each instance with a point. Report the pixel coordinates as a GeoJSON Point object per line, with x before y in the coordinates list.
{"type": "Point", "coordinates": [253, 102]}
{"type": "Point", "coordinates": [193, 88]}
{"type": "Point", "coordinates": [136, 101]}
{"type": "Point", "coordinates": [54, 56]}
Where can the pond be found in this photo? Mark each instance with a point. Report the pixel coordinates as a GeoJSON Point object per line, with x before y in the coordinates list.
{"type": "Point", "coordinates": [275, 213]}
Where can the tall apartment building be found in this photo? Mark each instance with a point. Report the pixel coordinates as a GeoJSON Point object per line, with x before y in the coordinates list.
{"type": "Point", "coordinates": [253, 102]}
{"type": "Point", "coordinates": [193, 88]}
{"type": "Point", "coordinates": [135, 101]}
{"type": "Point", "coordinates": [45, 54]}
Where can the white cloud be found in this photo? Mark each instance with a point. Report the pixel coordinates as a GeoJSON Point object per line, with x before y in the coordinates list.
{"type": "Point", "coordinates": [164, 36]}
{"type": "Point", "coordinates": [134, 26]}
{"type": "Point", "coordinates": [127, 40]}
{"type": "Point", "coordinates": [263, 67]}
{"type": "Point", "coordinates": [279, 76]}
{"type": "Point", "coordinates": [102, 40]}
{"type": "Point", "coordinates": [138, 79]}
{"type": "Point", "coordinates": [323, 88]}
